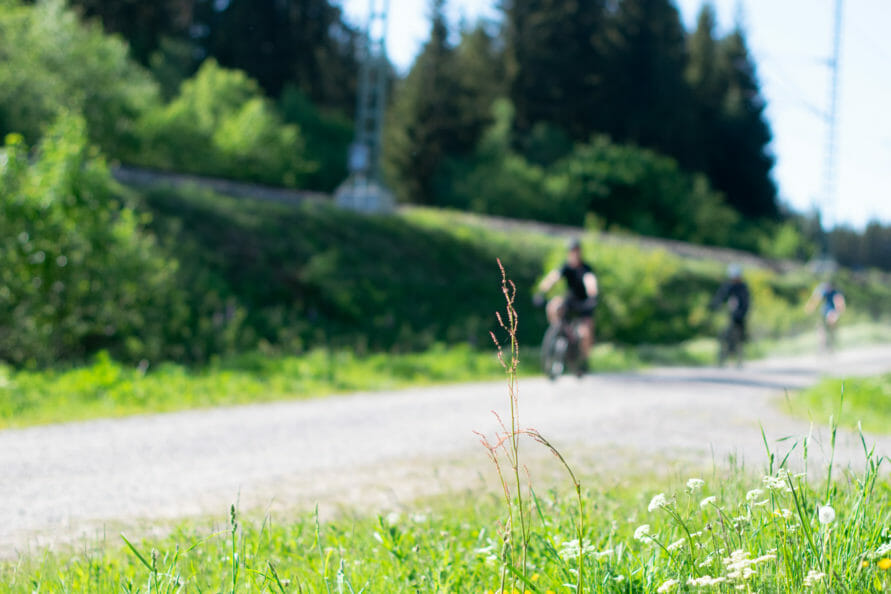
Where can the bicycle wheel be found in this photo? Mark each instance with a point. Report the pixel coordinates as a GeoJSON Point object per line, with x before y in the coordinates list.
{"type": "Point", "coordinates": [553, 352]}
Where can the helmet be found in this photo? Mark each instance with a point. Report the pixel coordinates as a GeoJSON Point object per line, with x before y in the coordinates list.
{"type": "Point", "coordinates": [573, 244]}
{"type": "Point", "coordinates": [734, 271]}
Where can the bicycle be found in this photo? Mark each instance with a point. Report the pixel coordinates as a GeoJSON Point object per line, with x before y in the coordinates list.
{"type": "Point", "coordinates": [731, 343]}
{"type": "Point", "coordinates": [561, 347]}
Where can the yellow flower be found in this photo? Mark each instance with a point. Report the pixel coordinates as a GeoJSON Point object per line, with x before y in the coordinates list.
{"type": "Point", "coordinates": [864, 563]}
{"type": "Point", "coordinates": [550, 592]}
{"type": "Point", "coordinates": [884, 563]}
{"type": "Point", "coordinates": [535, 577]}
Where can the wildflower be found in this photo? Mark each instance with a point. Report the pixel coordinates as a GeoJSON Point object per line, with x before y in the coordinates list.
{"type": "Point", "coordinates": [570, 549]}
{"type": "Point", "coordinates": [826, 514]}
{"type": "Point", "coordinates": [778, 482]}
{"type": "Point", "coordinates": [884, 564]}
{"type": "Point", "coordinates": [676, 545]}
{"type": "Point", "coordinates": [667, 586]}
{"type": "Point", "coordinates": [706, 580]}
{"type": "Point", "coordinates": [883, 550]}
{"type": "Point", "coordinates": [658, 501]}
{"type": "Point", "coordinates": [813, 577]}
{"type": "Point", "coordinates": [535, 577]}
{"type": "Point", "coordinates": [708, 501]}
{"type": "Point", "coordinates": [694, 484]}
{"type": "Point", "coordinates": [754, 494]}
{"type": "Point", "coordinates": [642, 532]}
{"type": "Point", "coordinates": [864, 563]}
{"type": "Point", "coordinates": [783, 513]}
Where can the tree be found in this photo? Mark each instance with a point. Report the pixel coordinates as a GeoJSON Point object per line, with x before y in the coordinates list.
{"type": "Point", "coordinates": [555, 62]}
{"type": "Point", "coordinates": [143, 24]}
{"type": "Point", "coordinates": [426, 122]}
{"type": "Point", "coordinates": [648, 98]}
{"type": "Point", "coordinates": [303, 42]}
{"type": "Point", "coordinates": [740, 161]}
{"type": "Point", "coordinates": [52, 63]}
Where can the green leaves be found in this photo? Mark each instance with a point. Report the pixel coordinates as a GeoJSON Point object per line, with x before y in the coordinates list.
{"type": "Point", "coordinates": [77, 270]}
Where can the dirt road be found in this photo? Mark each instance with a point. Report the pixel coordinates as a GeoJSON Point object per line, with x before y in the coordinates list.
{"type": "Point", "coordinates": [66, 481]}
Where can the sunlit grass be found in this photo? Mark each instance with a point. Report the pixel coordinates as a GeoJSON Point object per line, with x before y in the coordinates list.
{"type": "Point", "coordinates": [854, 401]}
{"type": "Point", "coordinates": [734, 528]}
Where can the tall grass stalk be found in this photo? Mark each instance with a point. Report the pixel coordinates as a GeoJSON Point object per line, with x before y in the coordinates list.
{"type": "Point", "coordinates": [508, 444]}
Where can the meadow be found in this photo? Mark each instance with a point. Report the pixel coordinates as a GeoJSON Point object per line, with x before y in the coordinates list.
{"type": "Point", "coordinates": [784, 527]}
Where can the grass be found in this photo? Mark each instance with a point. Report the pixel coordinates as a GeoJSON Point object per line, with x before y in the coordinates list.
{"type": "Point", "coordinates": [727, 530]}
{"type": "Point", "coordinates": [853, 401]}
{"type": "Point", "coordinates": [106, 388]}
{"type": "Point", "coordinates": [733, 521]}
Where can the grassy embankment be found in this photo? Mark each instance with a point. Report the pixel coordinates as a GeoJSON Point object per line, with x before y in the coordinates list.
{"type": "Point", "coordinates": [311, 300]}
{"type": "Point", "coordinates": [854, 401]}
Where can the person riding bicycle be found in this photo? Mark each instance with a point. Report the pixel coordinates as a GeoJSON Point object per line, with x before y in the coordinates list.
{"type": "Point", "coordinates": [580, 299]}
{"type": "Point", "coordinates": [735, 293]}
{"type": "Point", "coordinates": [833, 307]}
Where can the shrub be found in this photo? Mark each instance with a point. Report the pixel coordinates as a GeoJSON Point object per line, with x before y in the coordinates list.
{"type": "Point", "coordinates": [77, 273]}
{"type": "Point", "coordinates": [52, 63]}
{"type": "Point", "coordinates": [221, 125]}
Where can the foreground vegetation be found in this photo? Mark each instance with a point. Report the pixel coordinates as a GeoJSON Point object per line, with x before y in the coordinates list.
{"type": "Point", "coordinates": [718, 531]}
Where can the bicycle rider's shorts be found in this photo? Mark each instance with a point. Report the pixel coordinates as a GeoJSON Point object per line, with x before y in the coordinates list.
{"type": "Point", "coordinates": [582, 308]}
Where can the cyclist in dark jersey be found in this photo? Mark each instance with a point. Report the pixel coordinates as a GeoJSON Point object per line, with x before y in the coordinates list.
{"type": "Point", "coordinates": [833, 307]}
{"type": "Point", "coordinates": [581, 297]}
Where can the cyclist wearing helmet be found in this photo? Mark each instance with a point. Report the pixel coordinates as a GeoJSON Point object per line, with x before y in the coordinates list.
{"type": "Point", "coordinates": [580, 299]}
{"type": "Point", "coordinates": [833, 307]}
{"type": "Point", "coordinates": [735, 293]}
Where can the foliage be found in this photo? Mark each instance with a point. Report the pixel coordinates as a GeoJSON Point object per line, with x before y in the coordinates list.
{"type": "Point", "coordinates": [327, 137]}
{"type": "Point", "coordinates": [77, 272]}
{"type": "Point", "coordinates": [105, 388]}
{"type": "Point", "coordinates": [220, 124]}
{"type": "Point", "coordinates": [50, 64]}
{"type": "Point", "coordinates": [869, 248]}
{"type": "Point", "coordinates": [768, 532]}
{"type": "Point", "coordinates": [430, 116]}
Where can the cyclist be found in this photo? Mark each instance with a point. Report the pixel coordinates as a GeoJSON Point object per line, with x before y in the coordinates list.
{"type": "Point", "coordinates": [833, 307]}
{"type": "Point", "coordinates": [580, 299]}
{"type": "Point", "coordinates": [735, 293]}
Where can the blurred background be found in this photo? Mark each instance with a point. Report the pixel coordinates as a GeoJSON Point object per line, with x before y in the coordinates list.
{"type": "Point", "coordinates": [708, 123]}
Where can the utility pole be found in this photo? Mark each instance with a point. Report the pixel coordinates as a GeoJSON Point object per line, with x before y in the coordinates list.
{"type": "Point", "coordinates": [829, 171]}
{"type": "Point", "coordinates": [364, 190]}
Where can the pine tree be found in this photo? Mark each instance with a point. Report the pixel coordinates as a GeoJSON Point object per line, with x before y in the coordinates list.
{"type": "Point", "coordinates": [740, 161]}
{"type": "Point", "coordinates": [431, 117]}
{"type": "Point", "coordinates": [649, 100]}
{"type": "Point", "coordinates": [555, 63]}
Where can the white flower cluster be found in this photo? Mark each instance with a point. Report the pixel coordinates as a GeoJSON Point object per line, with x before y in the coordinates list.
{"type": "Point", "coordinates": [569, 550]}
{"type": "Point", "coordinates": [813, 577]}
{"type": "Point", "coordinates": [753, 497]}
{"type": "Point", "coordinates": [712, 500]}
{"type": "Point", "coordinates": [695, 484]}
{"type": "Point", "coordinates": [667, 586]}
{"type": "Point", "coordinates": [780, 482]}
{"type": "Point", "coordinates": [783, 513]}
{"type": "Point", "coordinates": [883, 550]}
{"type": "Point", "coordinates": [657, 502]}
{"type": "Point", "coordinates": [826, 514]}
{"type": "Point", "coordinates": [739, 565]}
{"type": "Point", "coordinates": [706, 581]}
{"type": "Point", "coordinates": [642, 533]}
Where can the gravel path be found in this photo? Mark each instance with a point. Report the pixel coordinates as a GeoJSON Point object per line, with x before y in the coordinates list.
{"type": "Point", "coordinates": [66, 481]}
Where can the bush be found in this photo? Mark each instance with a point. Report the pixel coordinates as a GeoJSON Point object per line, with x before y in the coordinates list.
{"type": "Point", "coordinates": [77, 273]}
{"type": "Point", "coordinates": [51, 63]}
{"type": "Point", "coordinates": [221, 125]}
{"type": "Point", "coordinates": [625, 186]}
{"type": "Point", "coordinates": [328, 136]}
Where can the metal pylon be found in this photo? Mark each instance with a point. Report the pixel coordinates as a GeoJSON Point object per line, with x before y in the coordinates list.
{"type": "Point", "coordinates": [364, 190]}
